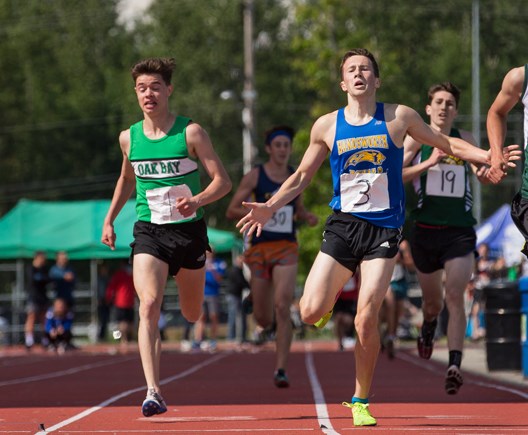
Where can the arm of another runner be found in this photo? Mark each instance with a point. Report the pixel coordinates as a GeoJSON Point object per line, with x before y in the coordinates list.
{"type": "Point", "coordinates": [235, 209]}
{"type": "Point", "coordinates": [410, 148]}
{"type": "Point", "coordinates": [423, 133]}
{"type": "Point", "coordinates": [124, 187]}
{"type": "Point", "coordinates": [314, 156]}
{"type": "Point", "coordinates": [506, 99]}
{"type": "Point", "coordinates": [200, 146]}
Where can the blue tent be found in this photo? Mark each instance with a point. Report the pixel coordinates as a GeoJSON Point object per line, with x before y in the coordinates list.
{"type": "Point", "coordinates": [501, 235]}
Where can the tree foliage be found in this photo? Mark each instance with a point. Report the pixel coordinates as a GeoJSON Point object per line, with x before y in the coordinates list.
{"type": "Point", "coordinates": [67, 91]}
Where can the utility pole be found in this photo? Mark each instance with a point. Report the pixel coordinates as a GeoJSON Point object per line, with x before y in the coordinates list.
{"type": "Point", "coordinates": [249, 94]}
{"type": "Point", "coordinates": [475, 76]}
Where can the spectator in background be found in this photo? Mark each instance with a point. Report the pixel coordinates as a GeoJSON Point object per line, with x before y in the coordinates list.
{"type": "Point", "coordinates": [37, 299]}
{"type": "Point", "coordinates": [394, 301]}
{"type": "Point", "coordinates": [345, 310]}
{"type": "Point", "coordinates": [59, 320]}
{"type": "Point", "coordinates": [121, 294]}
{"type": "Point", "coordinates": [236, 284]}
{"type": "Point", "coordinates": [103, 309]}
{"type": "Point", "coordinates": [214, 273]}
{"type": "Point", "coordinates": [63, 278]}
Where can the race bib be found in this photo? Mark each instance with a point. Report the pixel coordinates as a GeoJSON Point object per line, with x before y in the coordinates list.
{"type": "Point", "coordinates": [364, 192]}
{"type": "Point", "coordinates": [446, 180]}
{"type": "Point", "coordinates": [281, 221]}
{"type": "Point", "coordinates": [161, 202]}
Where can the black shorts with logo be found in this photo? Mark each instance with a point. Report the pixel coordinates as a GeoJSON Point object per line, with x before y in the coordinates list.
{"type": "Point", "coordinates": [350, 240]}
{"type": "Point", "coordinates": [178, 245]}
{"type": "Point", "coordinates": [432, 246]}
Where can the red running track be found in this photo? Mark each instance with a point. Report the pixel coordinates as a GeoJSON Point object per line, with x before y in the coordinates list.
{"type": "Point", "coordinates": [92, 391]}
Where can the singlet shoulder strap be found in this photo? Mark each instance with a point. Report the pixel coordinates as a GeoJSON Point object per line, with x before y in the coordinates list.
{"type": "Point", "coordinates": [525, 83]}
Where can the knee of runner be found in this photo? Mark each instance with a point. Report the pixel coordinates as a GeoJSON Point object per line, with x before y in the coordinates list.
{"type": "Point", "coordinates": [192, 315]}
{"type": "Point", "coordinates": [282, 310]}
{"type": "Point", "coordinates": [432, 307]}
{"type": "Point", "coordinates": [148, 308]}
{"type": "Point", "coordinates": [309, 313]}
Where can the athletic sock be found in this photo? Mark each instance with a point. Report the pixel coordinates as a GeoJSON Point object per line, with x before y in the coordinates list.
{"type": "Point", "coordinates": [455, 358]}
{"type": "Point", "coordinates": [357, 399]}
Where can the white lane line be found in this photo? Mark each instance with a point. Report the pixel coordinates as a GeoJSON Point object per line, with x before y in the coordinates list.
{"type": "Point", "coordinates": [459, 430]}
{"type": "Point", "coordinates": [434, 369]}
{"type": "Point", "coordinates": [65, 372]}
{"type": "Point", "coordinates": [265, 430]}
{"type": "Point", "coordinates": [113, 399]}
{"type": "Point", "coordinates": [320, 403]}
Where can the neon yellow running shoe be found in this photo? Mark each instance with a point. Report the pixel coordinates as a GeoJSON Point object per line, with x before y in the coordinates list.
{"type": "Point", "coordinates": [324, 320]}
{"type": "Point", "coordinates": [361, 414]}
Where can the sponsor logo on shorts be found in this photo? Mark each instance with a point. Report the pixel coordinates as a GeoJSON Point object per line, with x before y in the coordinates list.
{"type": "Point", "coordinates": [385, 245]}
{"type": "Point", "coordinates": [201, 258]}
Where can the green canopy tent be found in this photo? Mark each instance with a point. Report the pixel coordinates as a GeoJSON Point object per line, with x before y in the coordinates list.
{"type": "Point", "coordinates": [74, 227]}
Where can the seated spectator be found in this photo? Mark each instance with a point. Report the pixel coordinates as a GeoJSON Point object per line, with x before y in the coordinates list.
{"type": "Point", "coordinates": [59, 320]}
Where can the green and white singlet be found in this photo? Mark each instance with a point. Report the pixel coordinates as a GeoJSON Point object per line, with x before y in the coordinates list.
{"type": "Point", "coordinates": [164, 172]}
{"type": "Point", "coordinates": [524, 99]}
{"type": "Point", "coordinates": [444, 191]}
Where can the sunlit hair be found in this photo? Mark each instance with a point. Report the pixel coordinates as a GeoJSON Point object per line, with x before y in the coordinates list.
{"type": "Point", "coordinates": [156, 65]}
{"type": "Point", "coordinates": [445, 86]}
{"type": "Point", "coordinates": [360, 52]}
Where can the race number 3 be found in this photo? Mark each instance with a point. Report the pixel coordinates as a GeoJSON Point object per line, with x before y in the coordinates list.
{"type": "Point", "coordinates": [364, 192]}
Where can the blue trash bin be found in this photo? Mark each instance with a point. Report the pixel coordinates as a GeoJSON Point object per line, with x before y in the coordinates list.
{"type": "Point", "coordinates": [523, 288]}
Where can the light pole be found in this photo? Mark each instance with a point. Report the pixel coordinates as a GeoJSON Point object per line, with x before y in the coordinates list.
{"type": "Point", "coordinates": [249, 94]}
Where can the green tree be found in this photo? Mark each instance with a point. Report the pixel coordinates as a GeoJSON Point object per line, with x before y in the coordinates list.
{"type": "Point", "coordinates": [64, 72]}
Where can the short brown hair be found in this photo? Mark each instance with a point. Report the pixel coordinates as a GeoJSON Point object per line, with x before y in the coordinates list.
{"type": "Point", "coordinates": [360, 52]}
{"type": "Point", "coordinates": [445, 86]}
{"type": "Point", "coordinates": [156, 65]}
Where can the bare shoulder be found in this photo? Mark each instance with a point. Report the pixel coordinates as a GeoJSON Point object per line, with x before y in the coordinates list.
{"type": "Point", "coordinates": [198, 142]}
{"type": "Point", "coordinates": [401, 120]}
{"type": "Point", "coordinates": [194, 131]}
{"type": "Point", "coordinates": [323, 129]}
{"type": "Point", "coordinates": [124, 141]}
{"type": "Point", "coordinates": [514, 79]}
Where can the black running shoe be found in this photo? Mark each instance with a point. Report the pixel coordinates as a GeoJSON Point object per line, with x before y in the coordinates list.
{"type": "Point", "coordinates": [280, 379]}
{"type": "Point", "coordinates": [453, 380]}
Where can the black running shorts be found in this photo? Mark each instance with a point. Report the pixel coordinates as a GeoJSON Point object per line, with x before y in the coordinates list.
{"type": "Point", "coordinates": [350, 240]}
{"type": "Point", "coordinates": [179, 245]}
{"type": "Point", "coordinates": [519, 214]}
{"type": "Point", "coordinates": [431, 246]}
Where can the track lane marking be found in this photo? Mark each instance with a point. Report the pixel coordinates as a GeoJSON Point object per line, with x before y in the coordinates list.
{"type": "Point", "coordinates": [320, 403]}
{"type": "Point", "coordinates": [127, 393]}
{"type": "Point", "coordinates": [491, 385]}
{"type": "Point", "coordinates": [64, 372]}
